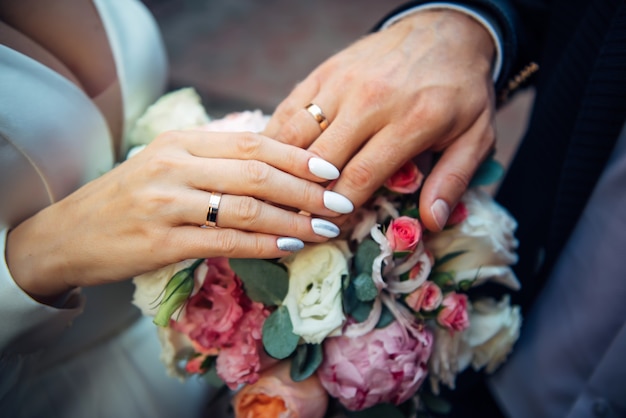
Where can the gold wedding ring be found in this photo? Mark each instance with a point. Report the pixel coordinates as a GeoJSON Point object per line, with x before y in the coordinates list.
{"type": "Point", "coordinates": [319, 116]}
{"type": "Point", "coordinates": [214, 205]}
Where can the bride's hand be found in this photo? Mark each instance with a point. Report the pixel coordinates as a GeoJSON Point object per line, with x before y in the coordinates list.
{"type": "Point", "coordinates": [148, 212]}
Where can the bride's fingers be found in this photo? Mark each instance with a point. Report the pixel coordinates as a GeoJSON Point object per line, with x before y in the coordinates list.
{"type": "Point", "coordinates": [260, 180]}
{"type": "Point", "coordinates": [251, 146]}
{"type": "Point", "coordinates": [249, 214]}
{"type": "Point", "coordinates": [193, 242]}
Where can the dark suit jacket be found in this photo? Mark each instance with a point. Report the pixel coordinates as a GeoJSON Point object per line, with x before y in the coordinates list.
{"type": "Point", "coordinates": [579, 110]}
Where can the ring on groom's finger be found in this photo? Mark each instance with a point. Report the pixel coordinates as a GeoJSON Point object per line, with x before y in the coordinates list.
{"type": "Point", "coordinates": [319, 116]}
{"type": "Point", "coordinates": [214, 206]}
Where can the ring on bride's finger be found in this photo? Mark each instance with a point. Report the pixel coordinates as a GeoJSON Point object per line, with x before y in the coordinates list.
{"type": "Point", "coordinates": [214, 206]}
{"type": "Point", "coordinates": [319, 116]}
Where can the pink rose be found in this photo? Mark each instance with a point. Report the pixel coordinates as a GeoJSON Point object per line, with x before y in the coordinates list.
{"type": "Point", "coordinates": [384, 365]}
{"type": "Point", "coordinates": [406, 180]}
{"type": "Point", "coordinates": [404, 233]}
{"type": "Point", "coordinates": [458, 215]}
{"type": "Point", "coordinates": [454, 314]}
{"type": "Point", "coordinates": [427, 297]}
{"type": "Point", "coordinates": [276, 395]}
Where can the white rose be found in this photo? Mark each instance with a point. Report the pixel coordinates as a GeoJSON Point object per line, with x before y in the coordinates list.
{"type": "Point", "coordinates": [450, 356]}
{"type": "Point", "coordinates": [180, 109]}
{"type": "Point", "coordinates": [485, 236]}
{"type": "Point", "coordinates": [149, 286]}
{"type": "Point", "coordinates": [494, 329]}
{"type": "Point", "coordinates": [314, 296]}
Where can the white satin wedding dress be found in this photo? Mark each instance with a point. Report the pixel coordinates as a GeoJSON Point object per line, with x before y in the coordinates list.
{"type": "Point", "coordinates": [95, 356]}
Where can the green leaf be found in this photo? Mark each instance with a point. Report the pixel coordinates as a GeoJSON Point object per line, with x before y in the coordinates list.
{"type": "Point", "coordinates": [436, 404]}
{"type": "Point", "coordinates": [445, 280]}
{"type": "Point", "coordinates": [306, 361]}
{"type": "Point", "coordinates": [386, 318]}
{"type": "Point", "coordinates": [411, 213]}
{"type": "Point", "coordinates": [381, 410]}
{"type": "Point", "coordinates": [364, 287]}
{"type": "Point", "coordinates": [489, 172]}
{"type": "Point", "coordinates": [263, 281]}
{"type": "Point", "coordinates": [278, 337]}
{"type": "Point", "coordinates": [465, 285]}
{"type": "Point", "coordinates": [367, 251]}
{"type": "Point", "coordinates": [448, 257]}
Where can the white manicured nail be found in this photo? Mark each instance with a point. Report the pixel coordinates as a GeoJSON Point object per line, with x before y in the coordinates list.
{"type": "Point", "coordinates": [289, 244]}
{"type": "Point", "coordinates": [337, 202]}
{"type": "Point", "coordinates": [322, 168]}
{"type": "Point", "coordinates": [324, 228]}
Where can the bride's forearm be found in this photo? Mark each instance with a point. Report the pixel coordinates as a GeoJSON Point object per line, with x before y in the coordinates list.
{"type": "Point", "coordinates": [34, 261]}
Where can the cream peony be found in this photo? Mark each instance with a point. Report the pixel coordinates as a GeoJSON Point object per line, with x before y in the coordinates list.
{"type": "Point", "coordinates": [494, 328]}
{"type": "Point", "coordinates": [179, 109]}
{"type": "Point", "coordinates": [314, 296]}
{"type": "Point", "coordinates": [485, 236]}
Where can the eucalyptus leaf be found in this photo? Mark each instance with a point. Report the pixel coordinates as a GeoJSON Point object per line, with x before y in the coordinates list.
{"type": "Point", "coordinates": [278, 337]}
{"type": "Point", "coordinates": [489, 172]}
{"type": "Point", "coordinates": [263, 281]}
{"type": "Point", "coordinates": [307, 359]}
{"type": "Point", "coordinates": [386, 318]}
{"type": "Point", "coordinates": [364, 287]}
{"type": "Point", "coordinates": [361, 311]}
{"type": "Point", "coordinates": [367, 251]}
{"type": "Point", "coordinates": [350, 301]}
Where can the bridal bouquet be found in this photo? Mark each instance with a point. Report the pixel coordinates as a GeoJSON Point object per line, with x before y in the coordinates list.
{"type": "Point", "coordinates": [374, 320]}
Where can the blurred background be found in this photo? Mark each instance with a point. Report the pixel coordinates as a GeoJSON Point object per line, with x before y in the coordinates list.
{"type": "Point", "coordinates": [247, 54]}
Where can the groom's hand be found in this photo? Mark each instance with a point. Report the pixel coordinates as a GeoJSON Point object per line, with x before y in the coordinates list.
{"type": "Point", "coordinates": [422, 84]}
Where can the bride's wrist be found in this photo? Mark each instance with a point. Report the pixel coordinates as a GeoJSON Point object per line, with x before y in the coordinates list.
{"type": "Point", "coordinates": [32, 265]}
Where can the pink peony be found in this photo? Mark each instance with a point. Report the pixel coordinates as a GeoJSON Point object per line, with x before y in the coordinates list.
{"type": "Point", "coordinates": [384, 365]}
{"type": "Point", "coordinates": [427, 297]}
{"type": "Point", "coordinates": [406, 180]}
{"type": "Point", "coordinates": [221, 319]}
{"type": "Point", "coordinates": [454, 315]}
{"type": "Point", "coordinates": [404, 233]}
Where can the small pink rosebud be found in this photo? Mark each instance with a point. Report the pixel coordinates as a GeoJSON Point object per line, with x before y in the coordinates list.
{"type": "Point", "coordinates": [454, 314]}
{"type": "Point", "coordinates": [427, 297]}
{"type": "Point", "coordinates": [406, 180]}
{"type": "Point", "coordinates": [404, 233]}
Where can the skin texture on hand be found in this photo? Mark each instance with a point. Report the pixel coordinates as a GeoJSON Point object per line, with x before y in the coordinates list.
{"type": "Point", "coordinates": [424, 84]}
{"type": "Point", "coordinates": [147, 212]}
